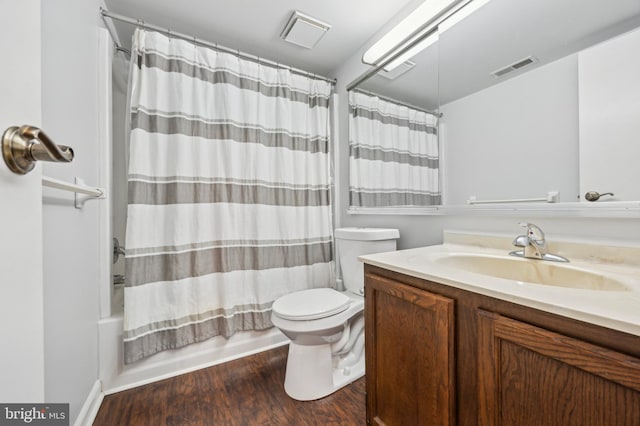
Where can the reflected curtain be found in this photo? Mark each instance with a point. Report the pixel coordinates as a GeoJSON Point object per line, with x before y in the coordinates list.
{"type": "Point", "coordinates": [393, 154]}
{"type": "Point", "coordinates": [228, 186]}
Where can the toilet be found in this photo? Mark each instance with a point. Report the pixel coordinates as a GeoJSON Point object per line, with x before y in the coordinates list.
{"type": "Point", "coordinates": [326, 326]}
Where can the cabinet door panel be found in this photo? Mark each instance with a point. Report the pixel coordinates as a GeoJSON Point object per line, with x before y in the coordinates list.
{"type": "Point", "coordinates": [409, 349]}
{"type": "Point", "coordinates": [532, 376]}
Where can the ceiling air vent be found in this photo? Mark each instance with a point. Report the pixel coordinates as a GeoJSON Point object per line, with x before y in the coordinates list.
{"type": "Point", "coordinates": [514, 67]}
{"type": "Point", "coordinates": [304, 30]}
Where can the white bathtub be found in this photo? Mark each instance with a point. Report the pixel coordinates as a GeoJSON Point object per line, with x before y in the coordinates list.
{"type": "Point", "coordinates": [115, 376]}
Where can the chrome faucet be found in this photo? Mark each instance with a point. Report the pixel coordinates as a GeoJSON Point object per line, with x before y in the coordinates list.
{"type": "Point", "coordinates": [534, 245]}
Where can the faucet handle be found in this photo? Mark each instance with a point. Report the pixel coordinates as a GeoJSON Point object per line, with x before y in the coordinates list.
{"type": "Point", "coordinates": [521, 241]}
{"type": "Point", "coordinates": [534, 232]}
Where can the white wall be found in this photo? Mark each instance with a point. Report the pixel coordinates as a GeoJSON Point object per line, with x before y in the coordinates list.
{"type": "Point", "coordinates": [609, 117]}
{"type": "Point", "coordinates": [70, 116]}
{"type": "Point", "coordinates": [517, 139]}
{"type": "Point", "coordinates": [418, 231]}
{"type": "Point", "coordinates": [22, 332]}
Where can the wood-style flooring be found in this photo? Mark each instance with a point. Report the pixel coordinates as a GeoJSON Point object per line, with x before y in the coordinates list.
{"type": "Point", "coordinates": [248, 391]}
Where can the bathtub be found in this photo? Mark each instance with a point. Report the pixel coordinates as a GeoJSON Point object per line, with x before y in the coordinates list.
{"type": "Point", "coordinates": [116, 377]}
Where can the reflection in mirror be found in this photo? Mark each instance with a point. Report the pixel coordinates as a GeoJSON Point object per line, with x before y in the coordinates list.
{"type": "Point", "coordinates": [609, 107]}
{"type": "Point", "coordinates": [533, 100]}
{"type": "Point", "coordinates": [515, 131]}
{"type": "Point", "coordinates": [393, 153]}
{"type": "Point", "coordinates": [393, 134]}
{"type": "Point", "coordinates": [413, 82]}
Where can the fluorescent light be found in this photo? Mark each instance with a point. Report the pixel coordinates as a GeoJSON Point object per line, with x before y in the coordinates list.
{"type": "Point", "coordinates": [450, 12]}
{"type": "Point", "coordinates": [423, 14]}
{"type": "Point", "coordinates": [423, 44]}
{"type": "Point", "coordinates": [461, 14]}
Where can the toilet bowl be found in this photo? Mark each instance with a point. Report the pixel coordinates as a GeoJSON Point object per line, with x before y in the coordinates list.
{"type": "Point", "coordinates": [326, 326]}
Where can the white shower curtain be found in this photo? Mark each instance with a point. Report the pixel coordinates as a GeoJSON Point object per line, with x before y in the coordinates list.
{"type": "Point", "coordinates": [393, 154]}
{"type": "Point", "coordinates": [228, 193]}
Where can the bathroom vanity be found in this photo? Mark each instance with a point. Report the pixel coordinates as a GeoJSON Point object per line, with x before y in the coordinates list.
{"type": "Point", "coordinates": [446, 344]}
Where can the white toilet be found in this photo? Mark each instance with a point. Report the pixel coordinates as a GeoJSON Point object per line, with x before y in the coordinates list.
{"type": "Point", "coordinates": [326, 327]}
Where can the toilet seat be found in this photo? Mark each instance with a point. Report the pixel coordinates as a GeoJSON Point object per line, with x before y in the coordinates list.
{"type": "Point", "coordinates": [312, 304]}
{"type": "Point", "coordinates": [356, 305]}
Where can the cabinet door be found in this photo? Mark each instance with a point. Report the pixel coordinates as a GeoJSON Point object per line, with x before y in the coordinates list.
{"type": "Point", "coordinates": [532, 376]}
{"type": "Point", "coordinates": [409, 355]}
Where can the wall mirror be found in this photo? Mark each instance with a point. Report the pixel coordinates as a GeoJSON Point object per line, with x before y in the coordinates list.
{"type": "Point", "coordinates": [538, 99]}
{"type": "Point", "coordinates": [394, 159]}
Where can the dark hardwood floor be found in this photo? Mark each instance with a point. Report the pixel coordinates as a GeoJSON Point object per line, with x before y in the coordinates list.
{"type": "Point", "coordinates": [247, 391]}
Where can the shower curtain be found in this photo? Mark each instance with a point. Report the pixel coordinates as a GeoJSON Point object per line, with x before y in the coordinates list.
{"type": "Point", "coordinates": [228, 193]}
{"type": "Point", "coordinates": [393, 154]}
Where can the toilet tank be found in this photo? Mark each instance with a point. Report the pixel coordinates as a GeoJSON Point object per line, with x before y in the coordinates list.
{"type": "Point", "coordinates": [354, 242]}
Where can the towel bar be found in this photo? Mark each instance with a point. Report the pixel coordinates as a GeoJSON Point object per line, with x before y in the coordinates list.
{"type": "Point", "coordinates": [552, 197]}
{"type": "Point", "coordinates": [78, 187]}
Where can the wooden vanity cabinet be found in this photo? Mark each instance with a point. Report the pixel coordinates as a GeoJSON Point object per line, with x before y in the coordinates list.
{"type": "Point", "coordinates": [532, 376]}
{"type": "Point", "coordinates": [409, 354]}
{"type": "Point", "coordinates": [438, 355]}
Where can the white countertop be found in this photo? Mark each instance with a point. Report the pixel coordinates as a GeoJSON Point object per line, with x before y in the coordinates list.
{"type": "Point", "coordinates": [618, 310]}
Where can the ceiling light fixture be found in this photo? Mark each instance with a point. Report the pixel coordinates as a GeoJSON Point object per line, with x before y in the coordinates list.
{"type": "Point", "coordinates": [413, 51]}
{"type": "Point", "coordinates": [304, 30]}
{"type": "Point", "coordinates": [421, 23]}
{"type": "Point", "coordinates": [460, 14]}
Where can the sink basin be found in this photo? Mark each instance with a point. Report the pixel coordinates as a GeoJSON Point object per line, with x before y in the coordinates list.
{"type": "Point", "coordinates": [532, 271]}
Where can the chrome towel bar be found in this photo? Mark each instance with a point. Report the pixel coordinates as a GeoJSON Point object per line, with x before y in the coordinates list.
{"type": "Point", "coordinates": [23, 146]}
{"type": "Point", "coordinates": [552, 197]}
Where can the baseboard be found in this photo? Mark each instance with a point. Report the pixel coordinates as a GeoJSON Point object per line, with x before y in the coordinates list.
{"type": "Point", "coordinates": [91, 406]}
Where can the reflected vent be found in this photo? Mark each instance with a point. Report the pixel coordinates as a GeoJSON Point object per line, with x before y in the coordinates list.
{"type": "Point", "coordinates": [397, 71]}
{"type": "Point", "coordinates": [515, 66]}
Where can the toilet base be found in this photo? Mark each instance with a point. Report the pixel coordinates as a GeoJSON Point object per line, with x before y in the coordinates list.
{"type": "Point", "coordinates": [311, 375]}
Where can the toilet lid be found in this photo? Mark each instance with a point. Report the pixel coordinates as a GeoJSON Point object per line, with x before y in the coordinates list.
{"type": "Point", "coordinates": [310, 304]}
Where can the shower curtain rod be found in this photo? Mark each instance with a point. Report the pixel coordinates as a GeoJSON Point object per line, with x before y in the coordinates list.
{"type": "Point", "coordinates": [195, 40]}
{"type": "Point", "coordinates": [114, 35]}
{"type": "Point", "coordinates": [394, 101]}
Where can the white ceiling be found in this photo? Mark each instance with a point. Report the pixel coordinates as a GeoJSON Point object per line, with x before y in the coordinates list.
{"type": "Point", "coordinates": [254, 26]}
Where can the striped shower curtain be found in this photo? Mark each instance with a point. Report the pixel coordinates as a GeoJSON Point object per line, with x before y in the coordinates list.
{"type": "Point", "coordinates": [228, 193]}
{"type": "Point", "coordinates": [393, 154]}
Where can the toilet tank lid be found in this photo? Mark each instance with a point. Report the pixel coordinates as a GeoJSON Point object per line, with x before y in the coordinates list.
{"type": "Point", "coordinates": [367, 234]}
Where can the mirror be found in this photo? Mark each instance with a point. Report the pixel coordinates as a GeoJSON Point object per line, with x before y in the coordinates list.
{"type": "Point", "coordinates": [534, 101]}
{"type": "Point", "coordinates": [394, 156]}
